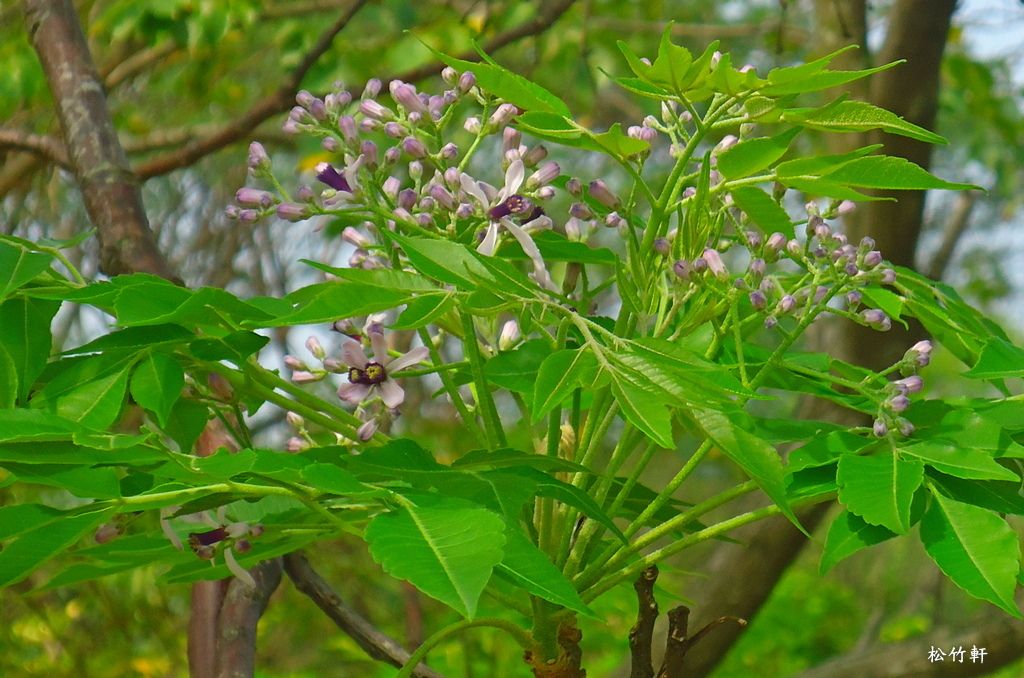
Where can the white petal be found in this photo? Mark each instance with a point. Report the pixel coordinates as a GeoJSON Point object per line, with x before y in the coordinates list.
{"type": "Point", "coordinates": [380, 348]}
{"type": "Point", "coordinates": [353, 393]}
{"type": "Point", "coordinates": [352, 173]}
{"type": "Point", "coordinates": [490, 242]}
{"type": "Point", "coordinates": [238, 570]}
{"type": "Point", "coordinates": [413, 357]}
{"type": "Point", "coordinates": [352, 354]}
{"type": "Point", "coordinates": [472, 188]}
{"type": "Point", "coordinates": [391, 393]}
{"type": "Point", "coordinates": [540, 270]}
{"type": "Point", "coordinates": [514, 177]}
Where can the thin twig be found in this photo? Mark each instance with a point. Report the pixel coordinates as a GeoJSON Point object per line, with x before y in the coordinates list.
{"type": "Point", "coordinates": [43, 145]}
{"type": "Point", "coordinates": [374, 642]}
{"type": "Point", "coordinates": [675, 644]}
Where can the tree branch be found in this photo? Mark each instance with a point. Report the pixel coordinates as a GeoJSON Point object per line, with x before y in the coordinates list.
{"type": "Point", "coordinates": [239, 615]}
{"type": "Point", "coordinates": [955, 228]}
{"type": "Point", "coordinates": [374, 642]}
{"type": "Point", "coordinates": [641, 635]}
{"type": "Point", "coordinates": [284, 97]}
{"type": "Point", "coordinates": [43, 145]}
{"type": "Point", "coordinates": [109, 188]}
{"type": "Point", "coordinates": [675, 644]}
{"type": "Point", "coordinates": [279, 101]}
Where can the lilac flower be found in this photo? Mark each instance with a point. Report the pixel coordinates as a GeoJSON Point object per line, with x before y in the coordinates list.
{"type": "Point", "coordinates": [715, 263]}
{"type": "Point", "coordinates": [290, 211]}
{"type": "Point", "coordinates": [682, 269]}
{"type": "Point", "coordinates": [880, 429]}
{"type": "Point", "coordinates": [371, 377]}
{"type": "Point", "coordinates": [600, 192]}
{"type": "Point", "coordinates": [326, 174]}
{"type": "Point", "coordinates": [252, 197]}
{"type": "Point", "coordinates": [509, 335]}
{"type": "Point", "coordinates": [758, 300]}
{"type": "Point", "coordinates": [466, 82]}
{"type": "Point", "coordinates": [910, 385]}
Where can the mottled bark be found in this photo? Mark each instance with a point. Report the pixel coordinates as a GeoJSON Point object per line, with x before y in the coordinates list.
{"type": "Point", "coordinates": [109, 188]}
{"type": "Point", "coordinates": [240, 613]}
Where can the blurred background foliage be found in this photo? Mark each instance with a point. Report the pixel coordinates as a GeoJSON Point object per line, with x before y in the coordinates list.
{"type": "Point", "coordinates": [178, 70]}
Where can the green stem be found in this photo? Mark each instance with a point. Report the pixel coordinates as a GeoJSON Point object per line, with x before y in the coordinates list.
{"type": "Point", "coordinates": [485, 402]}
{"type": "Point", "coordinates": [633, 571]}
{"type": "Point", "coordinates": [524, 639]}
{"type": "Point", "coordinates": [452, 389]}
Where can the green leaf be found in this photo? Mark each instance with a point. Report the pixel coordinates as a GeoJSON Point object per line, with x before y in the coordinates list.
{"type": "Point", "coordinates": [753, 155]}
{"type": "Point", "coordinates": [424, 310]}
{"type": "Point", "coordinates": [527, 566]}
{"type": "Point", "coordinates": [333, 479]}
{"type": "Point", "coordinates": [97, 404]}
{"type": "Point", "coordinates": [570, 495]}
{"type": "Point", "coordinates": [26, 337]}
{"type": "Point", "coordinates": [847, 535]}
{"type": "Point", "coordinates": [81, 481]}
{"type": "Point", "coordinates": [995, 496]}
{"type": "Point", "coordinates": [886, 172]}
{"type": "Point", "coordinates": [511, 87]}
{"type": "Point", "coordinates": [225, 464]}
{"type": "Point", "coordinates": [758, 459]}
{"type": "Point", "coordinates": [792, 83]}
{"type": "Point", "coordinates": [858, 116]}
{"type": "Point", "coordinates": [8, 380]}
{"type": "Point", "coordinates": [32, 549]}
{"type": "Point", "coordinates": [827, 189]}
{"type": "Point", "coordinates": [999, 359]}
{"type": "Point", "coordinates": [236, 346]}
{"type": "Point", "coordinates": [764, 211]}
{"type": "Point", "coordinates": [18, 266]}
{"type": "Point", "coordinates": [507, 457]}
{"type": "Point", "coordinates": [503, 492]}
{"type": "Point", "coordinates": [135, 338]}
{"type": "Point", "coordinates": [517, 370]}
{"type": "Point", "coordinates": [880, 488]}
{"type": "Point", "coordinates": [644, 410]}
{"type": "Point", "coordinates": [388, 278]}
{"type": "Point", "coordinates": [25, 425]}
{"type": "Point", "coordinates": [615, 143]}
{"type": "Point", "coordinates": [187, 420]}
{"type": "Point", "coordinates": [443, 260]}
{"type": "Point", "coordinates": [445, 547]}
{"type": "Point", "coordinates": [958, 461]}
{"type": "Point", "coordinates": [555, 247]}
{"type": "Point", "coordinates": [975, 548]}
{"type": "Point", "coordinates": [330, 301]}
{"type": "Point", "coordinates": [156, 385]}
{"type": "Point", "coordinates": [820, 164]}
{"type": "Point", "coordinates": [18, 518]}
{"type": "Point", "coordinates": [559, 375]}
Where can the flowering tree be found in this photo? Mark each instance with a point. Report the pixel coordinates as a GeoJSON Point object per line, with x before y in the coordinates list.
{"type": "Point", "coordinates": [579, 326]}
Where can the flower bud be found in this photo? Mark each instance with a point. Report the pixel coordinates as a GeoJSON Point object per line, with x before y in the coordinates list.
{"type": "Point", "coordinates": [305, 194]}
{"type": "Point", "coordinates": [295, 445]}
{"type": "Point", "coordinates": [794, 248]}
{"type": "Point", "coordinates": [314, 347]}
{"type": "Point", "coordinates": [853, 298]}
{"type": "Point", "coordinates": [304, 98]}
{"type": "Point", "coordinates": [367, 430]}
{"type": "Point", "coordinates": [259, 161]}
{"type": "Point", "coordinates": [466, 82]}
{"type": "Point", "coordinates": [372, 109]}
{"type": "Point", "coordinates": [473, 126]}
{"type": "Point", "coordinates": [867, 244]}
{"type": "Point", "coordinates": [464, 211]}
{"type": "Point", "coordinates": [600, 192]}
{"type": "Point", "coordinates": [754, 240]}
{"type": "Point", "coordinates": [293, 363]}
{"type": "Point", "coordinates": [372, 88]}
{"type": "Point", "coordinates": [880, 429]}
{"type": "Point", "coordinates": [302, 377]}
{"type": "Point", "coordinates": [107, 532]}
{"type": "Point", "coordinates": [509, 335]}
{"type": "Point", "coordinates": [876, 318]}
{"type": "Point", "coordinates": [898, 403]}
{"type": "Point", "coordinates": [369, 153]}
{"type": "Point", "coordinates": [700, 264]}
{"type": "Point", "coordinates": [758, 300]}
{"type": "Point", "coordinates": [251, 197]}
{"type": "Point", "coordinates": [757, 269]}
{"type": "Point", "coordinates": [536, 155]}
{"type": "Point", "coordinates": [510, 139]}
{"type": "Point", "coordinates": [663, 246]}
{"type": "Point", "coordinates": [318, 109]}
{"type": "Point", "coordinates": [395, 130]}
{"type": "Point", "coordinates": [727, 142]}
{"type": "Point", "coordinates": [547, 173]}
{"type": "Point", "coordinates": [449, 75]}
{"type": "Point", "coordinates": [575, 187]}
{"type": "Point", "coordinates": [581, 211]}
{"type": "Point", "coordinates": [331, 145]}
{"type": "Point", "coordinates": [888, 276]}
{"type": "Point", "coordinates": [905, 427]}
{"type": "Point", "coordinates": [771, 322]}
{"type": "Point", "coordinates": [415, 170]}
{"type": "Point", "coordinates": [682, 270]}
{"type": "Point", "coordinates": [872, 259]}
{"type": "Point", "coordinates": [407, 97]}
{"type": "Point", "coordinates": [449, 151]}
{"type": "Point", "coordinates": [910, 385]}
{"type": "Point", "coordinates": [295, 420]}
{"type": "Point", "coordinates": [851, 269]}
{"type": "Point", "coordinates": [613, 220]}
{"type": "Point", "coordinates": [502, 116]}
{"type": "Point", "coordinates": [715, 263]}
{"type": "Point", "coordinates": [354, 237]}
{"type": "Point", "coordinates": [786, 304]}
{"type": "Point", "coordinates": [392, 155]}
{"type": "Point", "coordinates": [293, 212]}
{"type": "Point", "coordinates": [573, 230]}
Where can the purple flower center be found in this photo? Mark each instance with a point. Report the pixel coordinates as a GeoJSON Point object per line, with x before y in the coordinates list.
{"type": "Point", "coordinates": [372, 373]}
{"type": "Point", "coordinates": [198, 539]}
{"type": "Point", "coordinates": [333, 178]}
{"type": "Point", "coordinates": [514, 204]}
